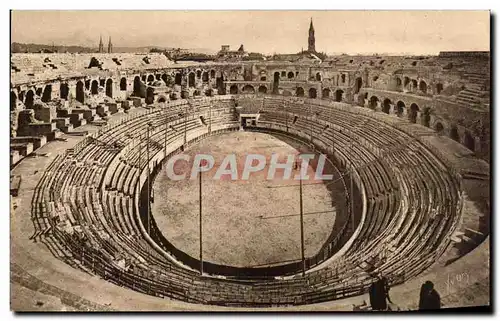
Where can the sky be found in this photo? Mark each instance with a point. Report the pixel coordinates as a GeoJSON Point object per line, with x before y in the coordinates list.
{"type": "Point", "coordinates": [352, 32]}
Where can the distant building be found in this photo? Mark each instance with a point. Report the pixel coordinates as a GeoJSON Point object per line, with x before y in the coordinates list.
{"type": "Point", "coordinates": [101, 45]}
{"type": "Point", "coordinates": [226, 53]}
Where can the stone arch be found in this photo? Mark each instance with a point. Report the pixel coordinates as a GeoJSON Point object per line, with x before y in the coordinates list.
{"type": "Point", "coordinates": [144, 78]}
{"type": "Point", "coordinates": [358, 83]}
{"type": "Point", "coordinates": [439, 127]}
{"type": "Point", "coordinates": [338, 95]}
{"type": "Point", "coordinates": [123, 84]}
{"type": "Point", "coordinates": [165, 79]}
{"type": "Point", "coordinates": [233, 90]}
{"type": "Point", "coordinates": [109, 87]}
{"type": "Point", "coordinates": [191, 79]}
{"type": "Point", "coordinates": [13, 100]}
{"type": "Point", "coordinates": [454, 133]}
{"type": "Point", "coordinates": [406, 82]}
{"type": "Point", "coordinates": [63, 90]}
{"type": "Point", "coordinates": [204, 76]}
{"type": "Point", "coordinates": [212, 73]}
{"type": "Point", "coordinates": [439, 88]}
{"type": "Point", "coordinates": [248, 89]}
{"type": "Point", "coordinates": [198, 74]}
{"type": "Point", "coordinates": [400, 108]}
{"type": "Point", "coordinates": [398, 82]}
{"type": "Point", "coordinates": [422, 86]}
{"type": "Point", "coordinates": [426, 117]}
{"type": "Point", "coordinates": [299, 92]}
{"type": "Point", "coordinates": [47, 93]}
{"type": "Point", "coordinates": [469, 141]}
{"type": "Point", "coordinates": [318, 76]}
{"type": "Point", "coordinates": [412, 115]}
{"type": "Point", "coordinates": [94, 87]}
{"type": "Point", "coordinates": [283, 73]}
{"type": "Point", "coordinates": [30, 97]}
{"type": "Point", "coordinates": [150, 79]}
{"type": "Point", "coordinates": [102, 82]}
{"type": "Point", "coordinates": [162, 99]}
{"type": "Point", "coordinates": [137, 86]}
{"type": "Point", "coordinates": [262, 89]}
{"type": "Point", "coordinates": [150, 95]}
{"type": "Point", "coordinates": [386, 106]}
{"type": "Point", "coordinates": [373, 102]}
{"type": "Point", "coordinates": [343, 78]}
{"type": "Point", "coordinates": [326, 93]}
{"type": "Point", "coordinates": [313, 93]}
{"type": "Point", "coordinates": [39, 91]}
{"type": "Point", "coordinates": [291, 75]}
{"type": "Point", "coordinates": [276, 82]}
{"type": "Point", "coordinates": [87, 84]}
{"type": "Point", "coordinates": [178, 78]}
{"type": "Point", "coordinates": [80, 94]}
{"type": "Point", "coordinates": [414, 85]}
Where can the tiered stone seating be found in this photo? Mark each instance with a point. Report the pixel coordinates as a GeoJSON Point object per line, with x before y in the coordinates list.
{"type": "Point", "coordinates": [92, 191]}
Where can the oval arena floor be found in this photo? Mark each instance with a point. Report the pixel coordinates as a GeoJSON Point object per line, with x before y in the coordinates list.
{"type": "Point", "coordinates": [84, 211]}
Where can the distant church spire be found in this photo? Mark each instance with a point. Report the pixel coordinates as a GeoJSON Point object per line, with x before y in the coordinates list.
{"type": "Point", "coordinates": [110, 46]}
{"type": "Point", "coordinates": [101, 45]}
{"type": "Point", "coordinates": [311, 42]}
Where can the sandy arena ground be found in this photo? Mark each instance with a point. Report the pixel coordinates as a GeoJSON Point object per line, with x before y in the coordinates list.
{"type": "Point", "coordinates": [245, 223]}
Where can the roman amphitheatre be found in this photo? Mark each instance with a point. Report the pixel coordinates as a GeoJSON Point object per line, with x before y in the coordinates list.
{"type": "Point", "coordinates": [96, 224]}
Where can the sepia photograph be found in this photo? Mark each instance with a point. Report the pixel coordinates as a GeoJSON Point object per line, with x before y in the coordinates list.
{"type": "Point", "coordinates": [250, 161]}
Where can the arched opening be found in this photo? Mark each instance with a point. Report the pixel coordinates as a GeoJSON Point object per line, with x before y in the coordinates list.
{"type": "Point", "coordinates": [204, 77]}
{"type": "Point", "coordinates": [325, 93]}
{"type": "Point", "coordinates": [162, 99]}
{"type": "Point", "coordinates": [197, 92]}
{"type": "Point", "coordinates": [247, 89]}
{"type": "Point", "coordinates": [262, 89]}
{"type": "Point", "coordinates": [87, 84]}
{"type": "Point", "coordinates": [233, 90]}
{"type": "Point", "coordinates": [109, 87]}
{"type": "Point", "coordinates": [386, 106]}
{"type": "Point", "coordinates": [47, 93]}
{"type": "Point", "coordinates": [299, 92]}
{"type": "Point", "coordinates": [318, 76]}
{"type": "Point", "coordinates": [343, 78]}
{"type": "Point", "coordinates": [454, 133]}
{"type": "Point", "coordinates": [13, 100]}
{"type": "Point", "coordinates": [287, 93]}
{"type": "Point", "coordinates": [150, 95]}
{"type": "Point", "coordinates": [263, 78]}
{"type": "Point", "coordinates": [361, 99]}
{"type": "Point", "coordinates": [439, 127]}
{"type": "Point", "coordinates": [123, 84]}
{"type": "Point", "coordinates": [413, 85]}
{"type": "Point", "coordinates": [137, 86]}
{"type": "Point", "coordinates": [276, 82]}
{"type": "Point", "coordinates": [209, 92]}
{"type": "Point", "coordinates": [398, 83]}
{"type": "Point", "coordinates": [150, 79]}
{"type": "Point", "coordinates": [64, 90]}
{"type": "Point", "coordinates": [406, 82]}
{"type": "Point", "coordinates": [191, 79]}
{"type": "Point", "coordinates": [426, 117]}
{"type": "Point", "coordinates": [312, 93]}
{"type": "Point", "coordinates": [178, 79]}
{"type": "Point", "coordinates": [338, 95]}
{"type": "Point", "coordinates": [373, 102]}
{"type": "Point", "coordinates": [400, 108]}
{"type": "Point", "coordinates": [358, 84]}
{"type": "Point", "coordinates": [422, 86]}
{"type": "Point", "coordinates": [212, 73]}
{"type": "Point", "coordinates": [290, 75]}
{"type": "Point", "coordinates": [144, 78]}
{"type": "Point", "coordinates": [94, 87]}
{"type": "Point", "coordinates": [30, 96]}
{"type": "Point", "coordinates": [198, 74]}
{"type": "Point", "coordinates": [469, 141]}
{"type": "Point", "coordinates": [158, 76]}
{"type": "Point", "coordinates": [102, 82]}
{"type": "Point", "coordinates": [439, 88]}
{"type": "Point", "coordinates": [80, 95]}
{"type": "Point", "coordinates": [166, 79]}
{"type": "Point", "coordinates": [412, 115]}
{"type": "Point", "coordinates": [283, 74]}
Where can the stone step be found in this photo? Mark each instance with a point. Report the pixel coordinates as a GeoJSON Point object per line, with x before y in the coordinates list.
{"type": "Point", "coordinates": [37, 141]}
{"type": "Point", "coordinates": [24, 149]}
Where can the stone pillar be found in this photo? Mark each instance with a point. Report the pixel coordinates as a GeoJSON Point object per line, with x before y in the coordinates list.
{"type": "Point", "coordinates": [391, 109]}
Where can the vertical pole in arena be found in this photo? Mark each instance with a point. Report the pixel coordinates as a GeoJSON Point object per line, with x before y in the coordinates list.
{"type": "Point", "coordinates": [302, 226]}
{"type": "Point", "coordinates": [201, 226]}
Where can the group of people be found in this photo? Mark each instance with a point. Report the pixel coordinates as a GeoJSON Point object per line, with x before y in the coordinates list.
{"type": "Point", "coordinates": [379, 296]}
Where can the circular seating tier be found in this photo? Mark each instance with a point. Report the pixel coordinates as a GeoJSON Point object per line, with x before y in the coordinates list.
{"type": "Point", "coordinates": [88, 198]}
